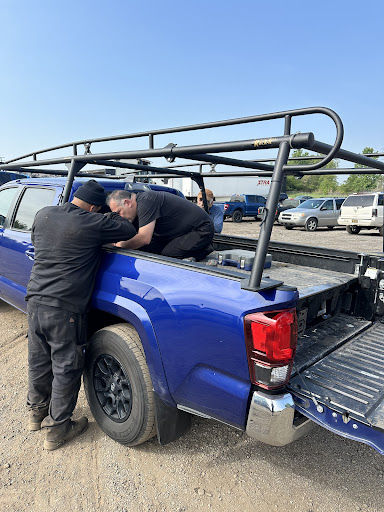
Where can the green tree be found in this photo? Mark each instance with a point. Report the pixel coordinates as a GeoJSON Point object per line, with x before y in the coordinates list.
{"type": "Point", "coordinates": [323, 184]}
{"type": "Point", "coordinates": [328, 184]}
{"type": "Point", "coordinates": [361, 182]}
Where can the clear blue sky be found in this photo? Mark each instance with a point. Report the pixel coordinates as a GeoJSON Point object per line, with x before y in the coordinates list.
{"type": "Point", "coordinates": [89, 68]}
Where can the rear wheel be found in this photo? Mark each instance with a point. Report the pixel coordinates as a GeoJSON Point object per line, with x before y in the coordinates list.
{"type": "Point", "coordinates": [353, 230]}
{"type": "Point", "coordinates": [118, 385]}
{"type": "Point", "coordinates": [237, 216]}
{"type": "Point", "coordinates": [381, 230]}
{"type": "Point", "coordinates": [311, 224]}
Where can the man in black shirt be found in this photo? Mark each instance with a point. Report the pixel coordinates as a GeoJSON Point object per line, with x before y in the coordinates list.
{"type": "Point", "coordinates": [67, 241]}
{"type": "Point", "coordinates": [167, 224]}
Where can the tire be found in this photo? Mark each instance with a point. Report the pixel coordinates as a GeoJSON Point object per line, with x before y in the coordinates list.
{"type": "Point", "coordinates": [381, 230]}
{"type": "Point", "coordinates": [118, 385]}
{"type": "Point", "coordinates": [311, 224]}
{"type": "Point", "coordinates": [353, 230]}
{"type": "Point", "coordinates": [237, 216]}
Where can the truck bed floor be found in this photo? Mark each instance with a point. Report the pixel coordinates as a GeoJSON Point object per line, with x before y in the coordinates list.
{"type": "Point", "coordinates": [307, 280]}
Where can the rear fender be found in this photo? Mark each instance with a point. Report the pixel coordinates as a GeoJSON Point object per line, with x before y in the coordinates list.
{"type": "Point", "coordinates": [136, 315]}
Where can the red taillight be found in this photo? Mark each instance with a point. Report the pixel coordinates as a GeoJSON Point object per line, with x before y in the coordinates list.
{"type": "Point", "coordinates": [226, 206]}
{"type": "Point", "coordinates": [271, 339]}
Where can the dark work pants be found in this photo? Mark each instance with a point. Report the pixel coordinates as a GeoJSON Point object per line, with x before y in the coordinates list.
{"type": "Point", "coordinates": [56, 343]}
{"type": "Point", "coordinates": [195, 243]}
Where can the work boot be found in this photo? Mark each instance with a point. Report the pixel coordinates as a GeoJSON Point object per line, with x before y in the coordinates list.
{"type": "Point", "coordinates": [35, 418]}
{"type": "Point", "coordinates": [60, 434]}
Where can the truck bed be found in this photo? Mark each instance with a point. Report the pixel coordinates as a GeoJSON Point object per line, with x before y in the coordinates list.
{"type": "Point", "coordinates": [308, 280]}
{"type": "Point", "coordinates": [339, 359]}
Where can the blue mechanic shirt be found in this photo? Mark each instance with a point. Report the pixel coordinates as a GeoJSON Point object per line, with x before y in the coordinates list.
{"type": "Point", "coordinates": [217, 217]}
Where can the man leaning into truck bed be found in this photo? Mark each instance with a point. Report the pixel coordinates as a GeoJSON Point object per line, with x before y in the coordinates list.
{"type": "Point", "coordinates": [167, 224]}
{"type": "Point", "coordinates": [67, 241]}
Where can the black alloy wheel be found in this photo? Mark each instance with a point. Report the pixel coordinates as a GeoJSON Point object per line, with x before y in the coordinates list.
{"type": "Point", "coordinates": [237, 216]}
{"type": "Point", "coordinates": [112, 388]}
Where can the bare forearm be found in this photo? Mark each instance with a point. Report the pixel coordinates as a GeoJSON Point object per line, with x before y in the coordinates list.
{"type": "Point", "coordinates": [134, 243]}
{"type": "Point", "coordinates": [143, 237]}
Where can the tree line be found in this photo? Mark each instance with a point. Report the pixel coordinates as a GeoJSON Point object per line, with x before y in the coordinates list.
{"type": "Point", "coordinates": [329, 185]}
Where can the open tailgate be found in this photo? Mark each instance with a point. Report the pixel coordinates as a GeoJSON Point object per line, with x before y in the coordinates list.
{"type": "Point", "coordinates": [344, 391]}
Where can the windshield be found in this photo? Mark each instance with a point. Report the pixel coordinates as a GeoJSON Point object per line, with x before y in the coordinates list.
{"type": "Point", "coordinates": [311, 204]}
{"type": "Point", "coordinates": [359, 201]}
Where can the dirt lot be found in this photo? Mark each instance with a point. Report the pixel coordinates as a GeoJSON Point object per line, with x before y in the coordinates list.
{"type": "Point", "coordinates": [212, 468]}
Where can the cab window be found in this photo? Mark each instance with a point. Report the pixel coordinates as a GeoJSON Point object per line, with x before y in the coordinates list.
{"type": "Point", "coordinates": [339, 202]}
{"type": "Point", "coordinates": [328, 205]}
{"type": "Point", "coordinates": [32, 201]}
{"type": "Point", "coordinates": [6, 198]}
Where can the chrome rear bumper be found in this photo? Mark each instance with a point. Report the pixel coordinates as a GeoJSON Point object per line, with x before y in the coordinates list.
{"type": "Point", "coordinates": [270, 419]}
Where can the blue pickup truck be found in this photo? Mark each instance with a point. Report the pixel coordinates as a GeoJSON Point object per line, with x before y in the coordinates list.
{"type": "Point", "coordinates": [246, 205]}
{"type": "Point", "coordinates": [303, 343]}
{"type": "Point", "coordinates": [243, 205]}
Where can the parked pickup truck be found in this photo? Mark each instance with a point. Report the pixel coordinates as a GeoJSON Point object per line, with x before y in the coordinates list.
{"type": "Point", "coordinates": [243, 205]}
{"type": "Point", "coordinates": [267, 349]}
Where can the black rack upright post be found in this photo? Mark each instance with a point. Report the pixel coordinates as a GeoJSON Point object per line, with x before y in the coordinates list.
{"type": "Point", "coordinates": [270, 209]}
{"type": "Point", "coordinates": [75, 168]}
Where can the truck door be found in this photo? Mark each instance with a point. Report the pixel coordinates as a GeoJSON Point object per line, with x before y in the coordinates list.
{"type": "Point", "coordinates": [16, 249]}
{"type": "Point", "coordinates": [251, 205]}
{"type": "Point", "coordinates": [7, 199]}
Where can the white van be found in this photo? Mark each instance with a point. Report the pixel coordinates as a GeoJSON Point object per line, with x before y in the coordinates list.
{"type": "Point", "coordinates": [362, 211]}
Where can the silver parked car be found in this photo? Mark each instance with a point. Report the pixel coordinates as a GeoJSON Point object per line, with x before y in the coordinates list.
{"type": "Point", "coordinates": [313, 213]}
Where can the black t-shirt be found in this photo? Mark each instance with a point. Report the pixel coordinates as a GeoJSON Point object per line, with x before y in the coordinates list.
{"type": "Point", "coordinates": [173, 214]}
{"type": "Point", "coordinates": [67, 241]}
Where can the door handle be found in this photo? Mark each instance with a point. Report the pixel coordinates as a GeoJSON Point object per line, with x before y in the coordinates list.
{"type": "Point", "coordinates": [30, 254]}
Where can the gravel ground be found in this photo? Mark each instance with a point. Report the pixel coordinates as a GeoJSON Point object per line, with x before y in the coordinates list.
{"type": "Point", "coordinates": [213, 467]}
